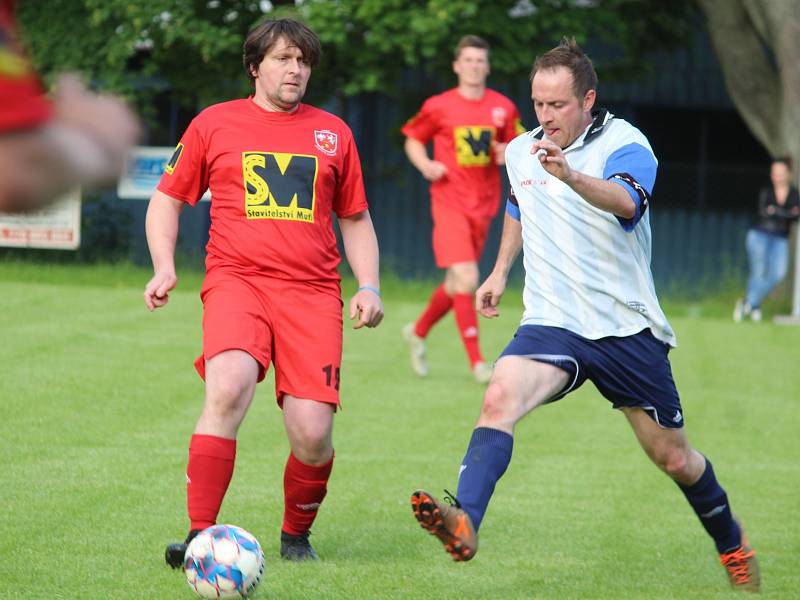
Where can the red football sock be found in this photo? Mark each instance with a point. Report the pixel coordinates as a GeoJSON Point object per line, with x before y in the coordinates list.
{"type": "Point", "coordinates": [467, 323]}
{"type": "Point", "coordinates": [304, 487]}
{"type": "Point", "coordinates": [438, 306]}
{"type": "Point", "coordinates": [208, 474]}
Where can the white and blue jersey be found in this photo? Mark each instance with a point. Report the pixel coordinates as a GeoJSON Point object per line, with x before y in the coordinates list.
{"type": "Point", "coordinates": [587, 270]}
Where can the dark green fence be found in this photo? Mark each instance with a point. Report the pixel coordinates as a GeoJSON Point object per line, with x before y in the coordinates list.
{"type": "Point", "coordinates": [693, 252]}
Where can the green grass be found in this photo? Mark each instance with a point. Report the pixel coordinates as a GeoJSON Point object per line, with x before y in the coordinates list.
{"type": "Point", "coordinates": [99, 399]}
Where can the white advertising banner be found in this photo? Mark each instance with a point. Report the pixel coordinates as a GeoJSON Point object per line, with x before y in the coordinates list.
{"type": "Point", "coordinates": [57, 226]}
{"type": "Point", "coordinates": [143, 171]}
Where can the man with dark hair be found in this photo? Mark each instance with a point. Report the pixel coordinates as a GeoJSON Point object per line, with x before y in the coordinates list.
{"type": "Point", "coordinates": [470, 126]}
{"type": "Point", "coordinates": [264, 36]}
{"type": "Point", "coordinates": [580, 188]}
{"type": "Point", "coordinates": [277, 170]}
{"type": "Point", "coordinates": [48, 146]}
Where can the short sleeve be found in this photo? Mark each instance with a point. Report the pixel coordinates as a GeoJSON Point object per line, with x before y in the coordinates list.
{"type": "Point", "coordinates": [186, 174]}
{"type": "Point", "coordinates": [512, 205]}
{"type": "Point", "coordinates": [634, 167]}
{"type": "Point", "coordinates": [423, 125]}
{"type": "Point", "coordinates": [350, 198]}
{"type": "Point", "coordinates": [513, 126]}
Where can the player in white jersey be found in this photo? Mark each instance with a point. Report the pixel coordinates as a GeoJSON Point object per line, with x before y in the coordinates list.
{"type": "Point", "coordinates": [581, 187]}
{"type": "Point", "coordinates": [607, 288]}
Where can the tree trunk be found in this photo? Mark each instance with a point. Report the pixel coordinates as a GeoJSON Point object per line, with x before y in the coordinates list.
{"type": "Point", "coordinates": [757, 43]}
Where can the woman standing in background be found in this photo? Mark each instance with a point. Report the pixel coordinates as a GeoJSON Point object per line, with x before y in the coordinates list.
{"type": "Point", "coordinates": [768, 240]}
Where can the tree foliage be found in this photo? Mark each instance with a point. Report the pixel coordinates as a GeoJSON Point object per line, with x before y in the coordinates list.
{"type": "Point", "coordinates": [136, 49]}
{"type": "Point", "coordinates": [370, 42]}
{"type": "Point", "coordinates": [193, 47]}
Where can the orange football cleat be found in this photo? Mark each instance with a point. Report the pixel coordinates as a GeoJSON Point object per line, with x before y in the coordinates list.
{"type": "Point", "coordinates": [450, 523]}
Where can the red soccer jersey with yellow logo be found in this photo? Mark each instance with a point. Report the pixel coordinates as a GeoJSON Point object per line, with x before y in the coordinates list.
{"type": "Point", "coordinates": [275, 180]}
{"type": "Point", "coordinates": [462, 131]}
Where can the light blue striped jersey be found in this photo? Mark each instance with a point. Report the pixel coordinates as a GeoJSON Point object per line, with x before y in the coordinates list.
{"type": "Point", "coordinates": [587, 270]}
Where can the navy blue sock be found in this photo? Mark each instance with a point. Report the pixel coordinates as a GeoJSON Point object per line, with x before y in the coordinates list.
{"type": "Point", "coordinates": [487, 457]}
{"type": "Point", "coordinates": [710, 502]}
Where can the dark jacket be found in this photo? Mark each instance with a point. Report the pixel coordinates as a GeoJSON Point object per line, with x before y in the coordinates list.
{"type": "Point", "coordinates": [779, 220]}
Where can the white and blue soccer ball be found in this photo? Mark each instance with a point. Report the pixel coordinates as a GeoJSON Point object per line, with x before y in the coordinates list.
{"type": "Point", "coordinates": [224, 561]}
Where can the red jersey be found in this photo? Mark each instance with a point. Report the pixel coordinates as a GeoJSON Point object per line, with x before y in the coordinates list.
{"type": "Point", "coordinates": [462, 131]}
{"type": "Point", "coordinates": [275, 180]}
{"type": "Point", "coordinates": [22, 104]}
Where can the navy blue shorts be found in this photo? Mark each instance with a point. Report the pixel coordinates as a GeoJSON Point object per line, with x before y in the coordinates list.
{"type": "Point", "coordinates": [629, 371]}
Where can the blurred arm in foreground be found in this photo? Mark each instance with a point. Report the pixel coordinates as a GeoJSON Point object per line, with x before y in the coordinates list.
{"type": "Point", "coordinates": [47, 146]}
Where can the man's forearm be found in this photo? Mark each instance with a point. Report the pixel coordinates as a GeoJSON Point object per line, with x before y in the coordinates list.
{"type": "Point", "coordinates": [605, 195]}
{"type": "Point", "coordinates": [510, 245]}
{"type": "Point", "coordinates": [161, 226]}
{"type": "Point", "coordinates": [417, 153]}
{"type": "Point", "coordinates": [361, 248]}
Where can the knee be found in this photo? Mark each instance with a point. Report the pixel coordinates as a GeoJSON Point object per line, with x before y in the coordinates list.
{"type": "Point", "coordinates": [311, 435]}
{"type": "Point", "coordinates": [311, 443]}
{"type": "Point", "coordinates": [464, 279]}
{"type": "Point", "coordinates": [227, 394]}
{"type": "Point", "coordinates": [497, 403]}
{"type": "Point", "coordinates": [469, 282]}
{"type": "Point", "coordinates": [674, 462]}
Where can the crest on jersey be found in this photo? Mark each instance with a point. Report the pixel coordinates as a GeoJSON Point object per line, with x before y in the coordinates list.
{"type": "Point", "coordinates": [499, 116]}
{"type": "Point", "coordinates": [327, 141]}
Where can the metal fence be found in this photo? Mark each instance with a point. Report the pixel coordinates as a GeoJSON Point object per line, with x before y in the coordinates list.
{"type": "Point", "coordinates": [694, 252]}
{"type": "Point", "coordinates": [698, 239]}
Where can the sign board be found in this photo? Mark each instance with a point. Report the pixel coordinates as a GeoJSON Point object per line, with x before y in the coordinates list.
{"type": "Point", "coordinates": [57, 227]}
{"type": "Point", "coordinates": [143, 171]}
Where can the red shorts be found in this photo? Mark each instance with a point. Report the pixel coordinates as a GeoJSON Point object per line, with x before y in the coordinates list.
{"type": "Point", "coordinates": [457, 237]}
{"type": "Point", "coordinates": [294, 324]}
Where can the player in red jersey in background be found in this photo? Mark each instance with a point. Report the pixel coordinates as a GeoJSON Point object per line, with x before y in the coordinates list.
{"type": "Point", "coordinates": [277, 170]}
{"type": "Point", "coordinates": [47, 147]}
{"type": "Point", "coordinates": [470, 126]}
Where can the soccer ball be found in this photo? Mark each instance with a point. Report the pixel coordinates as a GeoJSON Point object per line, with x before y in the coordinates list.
{"type": "Point", "coordinates": [224, 561]}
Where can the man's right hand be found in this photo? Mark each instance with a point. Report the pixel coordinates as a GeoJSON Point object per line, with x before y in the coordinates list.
{"type": "Point", "coordinates": [488, 296]}
{"type": "Point", "coordinates": [433, 170]}
{"type": "Point", "coordinates": [156, 292]}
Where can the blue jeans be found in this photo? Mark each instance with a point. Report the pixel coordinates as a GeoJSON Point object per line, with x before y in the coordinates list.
{"type": "Point", "coordinates": [768, 255]}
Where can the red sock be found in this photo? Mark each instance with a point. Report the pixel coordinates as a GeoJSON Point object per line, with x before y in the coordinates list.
{"type": "Point", "coordinates": [207, 477]}
{"type": "Point", "coordinates": [467, 323]}
{"type": "Point", "coordinates": [438, 306]}
{"type": "Point", "coordinates": [304, 487]}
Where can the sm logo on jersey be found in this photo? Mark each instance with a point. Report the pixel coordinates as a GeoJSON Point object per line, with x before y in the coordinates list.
{"type": "Point", "coordinates": [473, 145]}
{"type": "Point", "coordinates": [279, 186]}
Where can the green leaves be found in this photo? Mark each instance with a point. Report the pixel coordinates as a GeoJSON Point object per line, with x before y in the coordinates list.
{"type": "Point", "coordinates": [194, 47]}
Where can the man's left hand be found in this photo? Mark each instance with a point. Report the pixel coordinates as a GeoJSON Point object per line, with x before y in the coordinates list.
{"type": "Point", "coordinates": [367, 306]}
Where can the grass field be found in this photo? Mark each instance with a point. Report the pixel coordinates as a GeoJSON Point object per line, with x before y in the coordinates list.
{"type": "Point", "coordinates": [99, 399]}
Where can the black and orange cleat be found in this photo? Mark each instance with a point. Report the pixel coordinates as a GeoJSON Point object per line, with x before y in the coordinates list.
{"type": "Point", "coordinates": [448, 522]}
{"type": "Point", "coordinates": [741, 565]}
